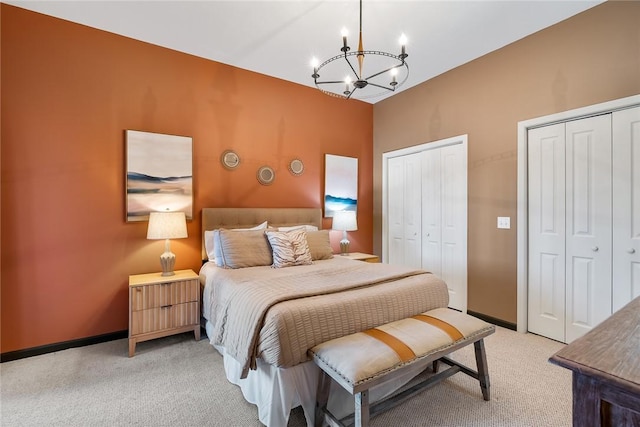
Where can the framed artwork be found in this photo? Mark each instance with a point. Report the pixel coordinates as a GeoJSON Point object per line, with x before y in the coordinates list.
{"type": "Point", "coordinates": [340, 184]}
{"type": "Point", "coordinates": [159, 174]}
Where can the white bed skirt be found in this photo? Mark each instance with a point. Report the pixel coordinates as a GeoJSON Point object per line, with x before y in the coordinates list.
{"type": "Point", "coordinates": [276, 391]}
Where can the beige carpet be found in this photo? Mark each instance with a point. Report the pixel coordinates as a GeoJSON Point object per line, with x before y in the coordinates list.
{"type": "Point", "coordinates": [176, 381]}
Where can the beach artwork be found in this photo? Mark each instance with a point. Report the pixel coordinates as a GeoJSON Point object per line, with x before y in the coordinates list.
{"type": "Point", "coordinates": [159, 174]}
{"type": "Point", "coordinates": [340, 184]}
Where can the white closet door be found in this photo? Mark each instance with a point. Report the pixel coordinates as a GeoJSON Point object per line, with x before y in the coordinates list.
{"type": "Point", "coordinates": [395, 209]}
{"type": "Point", "coordinates": [588, 223]}
{"type": "Point", "coordinates": [413, 211]}
{"type": "Point", "coordinates": [546, 293]}
{"type": "Point", "coordinates": [404, 210]}
{"type": "Point", "coordinates": [454, 224]}
{"type": "Point", "coordinates": [432, 212]}
{"type": "Point", "coordinates": [626, 206]}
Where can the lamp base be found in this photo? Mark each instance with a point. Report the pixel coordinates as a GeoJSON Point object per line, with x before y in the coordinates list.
{"type": "Point", "coordinates": [167, 261]}
{"type": "Point", "coordinates": [344, 247]}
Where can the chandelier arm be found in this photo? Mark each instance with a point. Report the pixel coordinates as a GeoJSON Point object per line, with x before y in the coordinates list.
{"type": "Point", "coordinates": [384, 71]}
{"type": "Point", "coordinates": [382, 87]}
{"type": "Point", "coordinates": [330, 82]}
{"type": "Point", "coordinates": [351, 93]}
{"type": "Point", "coordinates": [346, 58]}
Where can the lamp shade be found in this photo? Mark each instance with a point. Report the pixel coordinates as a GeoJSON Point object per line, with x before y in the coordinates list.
{"type": "Point", "coordinates": [167, 225]}
{"type": "Point", "coordinates": [345, 221]}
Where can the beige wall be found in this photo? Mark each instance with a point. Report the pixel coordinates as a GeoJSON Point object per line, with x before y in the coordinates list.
{"type": "Point", "coordinates": [590, 58]}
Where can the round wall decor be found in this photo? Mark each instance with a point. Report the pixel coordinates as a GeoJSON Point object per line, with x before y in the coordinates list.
{"type": "Point", "coordinates": [266, 175]}
{"type": "Point", "coordinates": [296, 167]}
{"type": "Point", "coordinates": [230, 159]}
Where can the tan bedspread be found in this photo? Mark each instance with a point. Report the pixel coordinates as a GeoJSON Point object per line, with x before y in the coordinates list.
{"type": "Point", "coordinates": [278, 314]}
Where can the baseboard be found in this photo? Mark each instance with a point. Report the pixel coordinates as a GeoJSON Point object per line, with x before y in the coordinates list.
{"type": "Point", "coordinates": [494, 320]}
{"type": "Point", "coordinates": [50, 348]}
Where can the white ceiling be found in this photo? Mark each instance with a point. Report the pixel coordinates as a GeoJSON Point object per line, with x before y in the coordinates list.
{"type": "Point", "coordinates": [279, 38]}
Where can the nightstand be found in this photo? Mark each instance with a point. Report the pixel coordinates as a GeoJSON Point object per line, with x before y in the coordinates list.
{"type": "Point", "coordinates": [359, 256]}
{"type": "Point", "coordinates": [163, 305]}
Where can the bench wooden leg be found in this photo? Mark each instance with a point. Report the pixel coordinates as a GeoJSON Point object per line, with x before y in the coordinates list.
{"type": "Point", "coordinates": [322, 397]}
{"type": "Point", "coordinates": [483, 369]}
{"type": "Point", "coordinates": [362, 409]}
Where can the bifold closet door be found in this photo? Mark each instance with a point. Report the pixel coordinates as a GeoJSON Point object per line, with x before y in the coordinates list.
{"type": "Point", "coordinates": [570, 227]}
{"type": "Point", "coordinates": [588, 224]}
{"type": "Point", "coordinates": [404, 210]}
{"type": "Point", "coordinates": [546, 293]}
{"type": "Point", "coordinates": [626, 206]}
{"type": "Point", "coordinates": [444, 208]}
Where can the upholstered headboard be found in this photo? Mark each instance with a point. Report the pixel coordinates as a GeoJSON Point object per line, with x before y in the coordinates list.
{"type": "Point", "coordinates": [213, 218]}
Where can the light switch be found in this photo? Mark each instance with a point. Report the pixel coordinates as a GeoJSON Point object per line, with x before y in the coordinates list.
{"type": "Point", "coordinates": [504, 222]}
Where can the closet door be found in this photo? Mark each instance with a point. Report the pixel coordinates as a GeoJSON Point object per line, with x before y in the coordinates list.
{"type": "Point", "coordinates": [432, 212]}
{"type": "Point", "coordinates": [546, 293]}
{"type": "Point", "coordinates": [588, 224]}
{"type": "Point", "coordinates": [626, 206]}
{"type": "Point", "coordinates": [404, 210]}
{"type": "Point", "coordinates": [444, 219]}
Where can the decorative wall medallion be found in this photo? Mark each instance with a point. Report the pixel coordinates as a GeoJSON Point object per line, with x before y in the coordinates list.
{"type": "Point", "coordinates": [266, 175]}
{"type": "Point", "coordinates": [296, 167]}
{"type": "Point", "coordinates": [230, 159]}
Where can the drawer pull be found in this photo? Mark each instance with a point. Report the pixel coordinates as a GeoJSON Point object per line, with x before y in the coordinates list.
{"type": "Point", "coordinates": [167, 306]}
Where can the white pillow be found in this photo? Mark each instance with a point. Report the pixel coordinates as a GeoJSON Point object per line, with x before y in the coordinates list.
{"type": "Point", "coordinates": [212, 242]}
{"type": "Point", "coordinates": [296, 227]}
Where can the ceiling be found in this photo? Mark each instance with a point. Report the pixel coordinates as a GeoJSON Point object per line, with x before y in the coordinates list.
{"type": "Point", "coordinates": [279, 38]}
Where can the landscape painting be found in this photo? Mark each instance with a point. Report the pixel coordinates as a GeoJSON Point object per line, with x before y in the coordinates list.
{"type": "Point", "coordinates": [159, 174]}
{"type": "Point", "coordinates": [340, 184]}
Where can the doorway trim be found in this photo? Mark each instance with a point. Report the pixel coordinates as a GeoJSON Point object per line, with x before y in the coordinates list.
{"type": "Point", "coordinates": [523, 196]}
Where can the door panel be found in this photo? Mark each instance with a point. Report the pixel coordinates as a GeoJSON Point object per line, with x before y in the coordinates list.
{"type": "Point", "coordinates": [432, 212]}
{"type": "Point", "coordinates": [547, 257]}
{"type": "Point", "coordinates": [588, 221]}
{"type": "Point", "coordinates": [413, 211]}
{"type": "Point", "coordinates": [454, 224]}
{"type": "Point", "coordinates": [395, 207]}
{"type": "Point", "coordinates": [626, 206]}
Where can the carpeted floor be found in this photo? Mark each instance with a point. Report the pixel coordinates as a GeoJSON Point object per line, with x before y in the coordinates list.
{"type": "Point", "coordinates": [176, 381]}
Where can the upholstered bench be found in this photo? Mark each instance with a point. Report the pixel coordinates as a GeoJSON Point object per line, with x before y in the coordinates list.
{"type": "Point", "coordinates": [362, 360]}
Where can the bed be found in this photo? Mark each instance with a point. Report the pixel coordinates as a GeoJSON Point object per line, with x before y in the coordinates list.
{"type": "Point", "coordinates": [263, 319]}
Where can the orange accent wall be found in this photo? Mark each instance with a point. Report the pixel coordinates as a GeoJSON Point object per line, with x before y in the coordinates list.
{"type": "Point", "coordinates": [68, 94]}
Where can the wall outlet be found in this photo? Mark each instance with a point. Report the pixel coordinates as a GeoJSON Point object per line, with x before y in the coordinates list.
{"type": "Point", "coordinates": [504, 222]}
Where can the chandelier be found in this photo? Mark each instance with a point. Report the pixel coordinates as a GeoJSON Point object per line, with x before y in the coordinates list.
{"type": "Point", "coordinates": [344, 78]}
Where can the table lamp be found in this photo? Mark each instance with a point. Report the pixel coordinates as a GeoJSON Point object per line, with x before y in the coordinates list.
{"type": "Point", "coordinates": [167, 225]}
{"type": "Point", "coordinates": [345, 221]}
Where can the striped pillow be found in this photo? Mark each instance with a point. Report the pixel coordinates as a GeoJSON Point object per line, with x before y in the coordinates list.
{"type": "Point", "coordinates": [289, 248]}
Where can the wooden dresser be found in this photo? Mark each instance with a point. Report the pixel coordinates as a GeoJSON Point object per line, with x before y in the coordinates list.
{"type": "Point", "coordinates": [163, 305]}
{"type": "Point", "coordinates": [606, 371]}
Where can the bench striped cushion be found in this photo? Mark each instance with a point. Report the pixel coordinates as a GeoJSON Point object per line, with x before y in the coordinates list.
{"type": "Point", "coordinates": [362, 356]}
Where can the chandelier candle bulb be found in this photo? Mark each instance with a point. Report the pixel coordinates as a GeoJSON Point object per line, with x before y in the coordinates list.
{"type": "Point", "coordinates": [314, 64]}
{"type": "Point", "coordinates": [344, 33]}
{"type": "Point", "coordinates": [403, 43]}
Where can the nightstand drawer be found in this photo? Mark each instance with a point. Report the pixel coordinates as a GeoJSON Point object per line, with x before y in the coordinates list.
{"type": "Point", "coordinates": [163, 294]}
{"type": "Point", "coordinates": [166, 317]}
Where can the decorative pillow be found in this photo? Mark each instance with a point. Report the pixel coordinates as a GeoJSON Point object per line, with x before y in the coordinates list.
{"type": "Point", "coordinates": [246, 249]}
{"type": "Point", "coordinates": [212, 242]}
{"type": "Point", "coordinates": [319, 244]}
{"type": "Point", "coordinates": [289, 248]}
{"type": "Point", "coordinates": [296, 227]}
